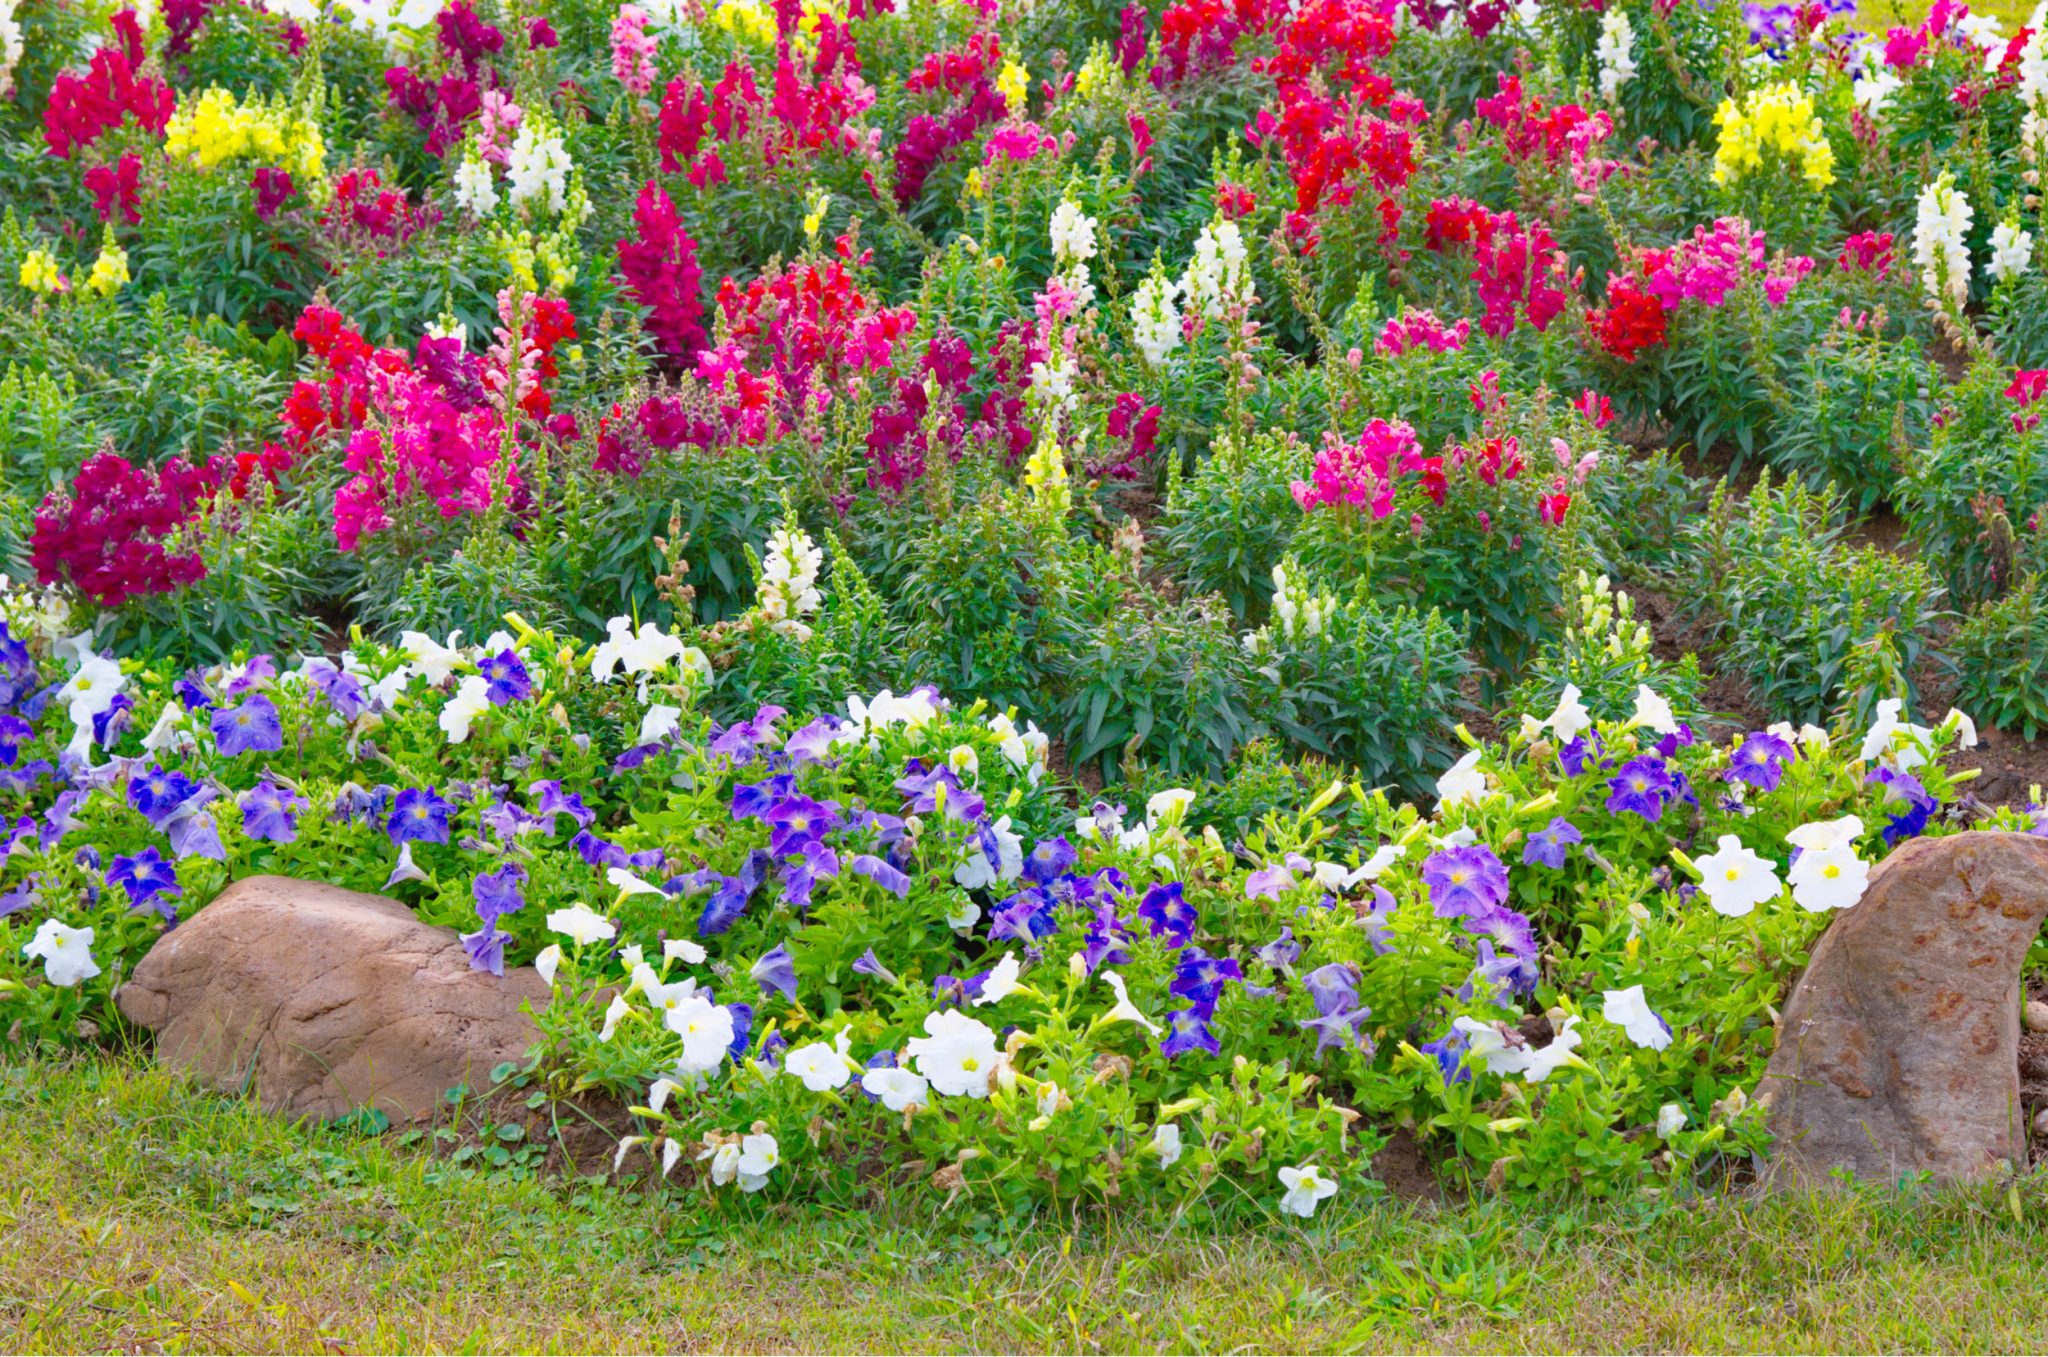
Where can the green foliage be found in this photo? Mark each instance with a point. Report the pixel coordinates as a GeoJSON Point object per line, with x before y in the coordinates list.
{"type": "Point", "coordinates": [2000, 658]}
{"type": "Point", "coordinates": [1859, 403]}
{"type": "Point", "coordinates": [1792, 606]}
{"type": "Point", "coordinates": [1227, 523]}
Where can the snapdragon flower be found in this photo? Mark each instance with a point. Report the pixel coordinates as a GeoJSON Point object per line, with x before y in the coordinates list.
{"type": "Point", "coordinates": [789, 581]}
{"type": "Point", "coordinates": [1073, 235]}
{"type": "Point", "coordinates": [1941, 227]}
{"type": "Point", "coordinates": [1615, 52]}
{"type": "Point", "coordinates": [538, 167]}
{"type": "Point", "coordinates": [1156, 318]}
{"type": "Point", "coordinates": [1219, 274]}
{"type": "Point", "coordinates": [2012, 251]}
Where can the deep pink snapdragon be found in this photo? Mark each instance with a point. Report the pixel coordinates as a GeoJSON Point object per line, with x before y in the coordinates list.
{"type": "Point", "coordinates": [660, 267]}
{"type": "Point", "coordinates": [1363, 472]}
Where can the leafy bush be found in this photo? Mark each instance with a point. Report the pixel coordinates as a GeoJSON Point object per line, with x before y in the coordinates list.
{"type": "Point", "coordinates": [2000, 658]}
{"type": "Point", "coordinates": [1793, 608]}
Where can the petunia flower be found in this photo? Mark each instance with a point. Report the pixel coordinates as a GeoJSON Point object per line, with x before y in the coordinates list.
{"type": "Point", "coordinates": [1166, 908]}
{"type": "Point", "coordinates": [1166, 1143]}
{"type": "Point", "coordinates": [1735, 880]}
{"type": "Point", "coordinates": [1125, 1010]}
{"type": "Point", "coordinates": [66, 953]}
{"type": "Point", "coordinates": [581, 925]}
{"type": "Point", "coordinates": [1828, 878]}
{"type": "Point", "coordinates": [1307, 1188]}
{"type": "Point", "coordinates": [1551, 845]}
{"type": "Point", "coordinates": [1467, 880]}
{"type": "Point", "coordinates": [896, 1089]}
{"type": "Point", "coordinates": [775, 972]}
{"type": "Point", "coordinates": [820, 1068]}
{"type": "Point", "coordinates": [270, 812]}
{"type": "Point", "coordinates": [1001, 982]}
{"type": "Point", "coordinates": [419, 815]}
{"type": "Point", "coordinates": [254, 727]}
{"type": "Point", "coordinates": [957, 1054]}
{"type": "Point", "coordinates": [1629, 1010]}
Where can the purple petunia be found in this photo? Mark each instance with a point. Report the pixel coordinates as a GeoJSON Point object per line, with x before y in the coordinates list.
{"type": "Point", "coordinates": [1642, 786]}
{"type": "Point", "coordinates": [505, 679]}
{"type": "Point", "coordinates": [486, 948]}
{"type": "Point", "coordinates": [498, 892]}
{"type": "Point", "coordinates": [158, 793]}
{"type": "Point", "coordinates": [881, 873]}
{"type": "Point", "coordinates": [1550, 845]}
{"type": "Point", "coordinates": [1449, 1052]}
{"type": "Point", "coordinates": [1187, 1029]}
{"type": "Point", "coordinates": [1760, 760]}
{"type": "Point", "coordinates": [252, 728]}
{"type": "Point", "coordinates": [775, 972]}
{"type": "Point", "coordinates": [419, 815]}
{"type": "Point", "coordinates": [1049, 859]}
{"type": "Point", "coordinates": [1282, 951]}
{"type": "Point", "coordinates": [147, 878]}
{"type": "Point", "coordinates": [271, 813]}
{"type": "Point", "coordinates": [1199, 978]}
{"type": "Point", "coordinates": [1467, 880]}
{"type": "Point", "coordinates": [1166, 908]}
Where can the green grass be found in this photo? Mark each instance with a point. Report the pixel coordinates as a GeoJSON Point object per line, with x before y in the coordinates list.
{"type": "Point", "coordinates": [137, 1214]}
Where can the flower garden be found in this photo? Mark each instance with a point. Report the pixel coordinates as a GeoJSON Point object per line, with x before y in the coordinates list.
{"type": "Point", "coordinates": [1061, 604]}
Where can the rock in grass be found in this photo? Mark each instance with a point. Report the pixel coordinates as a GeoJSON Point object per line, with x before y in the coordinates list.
{"type": "Point", "coordinates": [2037, 1016]}
{"type": "Point", "coordinates": [1899, 1050]}
{"type": "Point", "coordinates": [325, 1001]}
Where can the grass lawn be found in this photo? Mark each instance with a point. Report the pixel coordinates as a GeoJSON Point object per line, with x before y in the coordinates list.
{"type": "Point", "coordinates": [139, 1215]}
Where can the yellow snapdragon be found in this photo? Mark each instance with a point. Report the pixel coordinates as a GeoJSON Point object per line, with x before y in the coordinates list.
{"type": "Point", "coordinates": [109, 271]}
{"type": "Point", "coordinates": [39, 272]}
{"type": "Point", "coordinates": [1778, 119]}
{"type": "Point", "coordinates": [215, 129]}
{"type": "Point", "coordinates": [1014, 84]}
{"type": "Point", "coordinates": [1046, 475]}
{"type": "Point", "coordinates": [748, 20]}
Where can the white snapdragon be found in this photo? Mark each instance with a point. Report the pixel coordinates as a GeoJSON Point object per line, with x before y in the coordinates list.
{"type": "Point", "coordinates": [538, 167]}
{"type": "Point", "coordinates": [476, 190]}
{"type": "Point", "coordinates": [1220, 272]}
{"type": "Point", "coordinates": [1156, 318]}
{"type": "Point", "coordinates": [1073, 235]}
{"type": "Point", "coordinates": [2012, 251]}
{"type": "Point", "coordinates": [1873, 91]}
{"type": "Point", "coordinates": [1616, 51]}
{"type": "Point", "coordinates": [1941, 226]}
{"type": "Point", "coordinates": [789, 581]}
{"type": "Point", "coordinates": [11, 46]}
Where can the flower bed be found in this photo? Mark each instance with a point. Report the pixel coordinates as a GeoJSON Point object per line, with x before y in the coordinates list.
{"type": "Point", "coordinates": [1192, 421]}
{"type": "Point", "coordinates": [814, 949]}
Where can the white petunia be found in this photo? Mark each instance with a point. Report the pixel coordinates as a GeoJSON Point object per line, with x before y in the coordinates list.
{"type": "Point", "coordinates": [897, 1088]}
{"type": "Point", "coordinates": [1821, 835]}
{"type": "Point", "coordinates": [1629, 1010]}
{"type": "Point", "coordinates": [471, 700]}
{"type": "Point", "coordinates": [725, 1162]}
{"type": "Point", "coordinates": [628, 884]}
{"type": "Point", "coordinates": [683, 950]}
{"type": "Point", "coordinates": [957, 1055]}
{"type": "Point", "coordinates": [549, 959]}
{"type": "Point", "coordinates": [659, 1092]}
{"type": "Point", "coordinates": [1735, 880]}
{"type": "Point", "coordinates": [821, 1068]}
{"type": "Point", "coordinates": [1125, 1010]}
{"type": "Point", "coordinates": [430, 659]}
{"type": "Point", "coordinates": [1462, 783]}
{"type": "Point", "coordinates": [1671, 1120]}
{"type": "Point", "coordinates": [759, 1154]}
{"type": "Point", "coordinates": [1169, 807]}
{"type": "Point", "coordinates": [614, 1013]}
{"type": "Point", "coordinates": [581, 925]}
{"type": "Point", "coordinates": [706, 1029]}
{"type": "Point", "coordinates": [659, 723]}
{"type": "Point", "coordinates": [1001, 982]}
{"type": "Point", "coordinates": [1571, 718]}
{"type": "Point", "coordinates": [1829, 878]}
{"type": "Point", "coordinates": [1654, 712]}
{"type": "Point", "coordinates": [66, 953]}
{"type": "Point", "coordinates": [1307, 1187]}
{"type": "Point", "coordinates": [1166, 1143]}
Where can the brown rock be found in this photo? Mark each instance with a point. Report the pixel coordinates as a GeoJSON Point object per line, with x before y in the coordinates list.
{"type": "Point", "coordinates": [2037, 1016]}
{"type": "Point", "coordinates": [1898, 1051]}
{"type": "Point", "coordinates": [335, 1000]}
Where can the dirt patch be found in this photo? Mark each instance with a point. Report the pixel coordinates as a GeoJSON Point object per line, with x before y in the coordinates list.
{"type": "Point", "coordinates": [1407, 1171]}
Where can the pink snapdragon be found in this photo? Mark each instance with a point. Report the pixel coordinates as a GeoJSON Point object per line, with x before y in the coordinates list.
{"type": "Point", "coordinates": [632, 50]}
{"type": "Point", "coordinates": [1363, 472]}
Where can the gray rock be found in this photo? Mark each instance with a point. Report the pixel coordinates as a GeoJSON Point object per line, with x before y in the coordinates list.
{"type": "Point", "coordinates": [325, 1001]}
{"type": "Point", "coordinates": [2036, 1016]}
{"type": "Point", "coordinates": [1898, 1049]}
